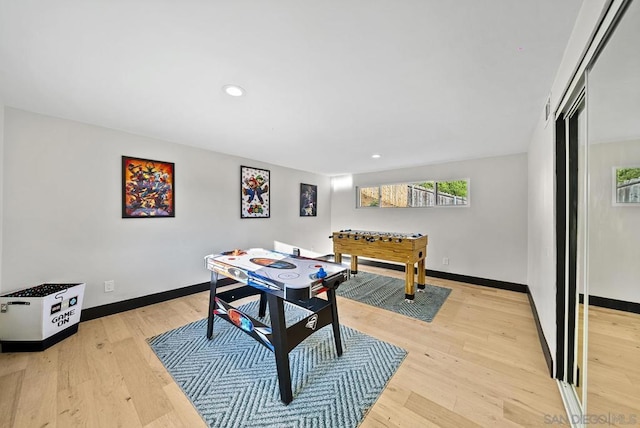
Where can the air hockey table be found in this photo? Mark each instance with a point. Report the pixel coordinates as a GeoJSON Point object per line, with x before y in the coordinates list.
{"type": "Point", "coordinates": [276, 277]}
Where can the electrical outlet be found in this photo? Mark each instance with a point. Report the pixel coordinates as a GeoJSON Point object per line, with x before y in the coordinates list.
{"type": "Point", "coordinates": [109, 286]}
{"type": "Point", "coordinates": [445, 261]}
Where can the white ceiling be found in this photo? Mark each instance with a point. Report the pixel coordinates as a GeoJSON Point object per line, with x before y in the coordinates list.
{"type": "Point", "coordinates": [328, 82]}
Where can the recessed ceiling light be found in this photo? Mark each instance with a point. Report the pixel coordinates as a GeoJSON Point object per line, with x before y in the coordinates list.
{"type": "Point", "coordinates": [233, 90]}
{"type": "Point", "coordinates": [376, 156]}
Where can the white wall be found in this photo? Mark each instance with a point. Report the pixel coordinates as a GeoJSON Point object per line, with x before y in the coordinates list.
{"type": "Point", "coordinates": [487, 239]}
{"type": "Point", "coordinates": [613, 106]}
{"type": "Point", "coordinates": [62, 217]}
{"type": "Point", "coordinates": [541, 272]}
{"type": "Point", "coordinates": [614, 235]}
{"type": "Point", "coordinates": [541, 181]}
{"type": "Point", "coordinates": [1, 186]}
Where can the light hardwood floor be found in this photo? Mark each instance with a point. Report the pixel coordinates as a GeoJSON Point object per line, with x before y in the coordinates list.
{"type": "Point", "coordinates": [613, 372]}
{"type": "Point", "coordinates": [479, 363]}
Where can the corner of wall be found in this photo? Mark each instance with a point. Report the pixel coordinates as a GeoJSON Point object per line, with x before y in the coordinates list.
{"type": "Point", "coordinates": [2, 169]}
{"type": "Point", "coordinates": [594, 16]}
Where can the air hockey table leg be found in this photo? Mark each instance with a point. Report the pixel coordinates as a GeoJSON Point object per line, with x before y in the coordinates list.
{"type": "Point", "coordinates": [212, 303]}
{"type": "Point", "coordinates": [279, 339]}
{"type": "Point", "coordinates": [331, 295]}
{"type": "Point", "coordinates": [262, 310]}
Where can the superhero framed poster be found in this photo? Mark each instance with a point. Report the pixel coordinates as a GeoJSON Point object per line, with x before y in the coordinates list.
{"type": "Point", "coordinates": [308, 200]}
{"type": "Point", "coordinates": [255, 192]}
{"type": "Point", "coordinates": [148, 188]}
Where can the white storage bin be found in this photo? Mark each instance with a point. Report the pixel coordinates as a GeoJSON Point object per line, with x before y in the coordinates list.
{"type": "Point", "coordinates": [35, 318]}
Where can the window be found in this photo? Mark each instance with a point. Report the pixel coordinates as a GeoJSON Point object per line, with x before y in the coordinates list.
{"type": "Point", "coordinates": [426, 193]}
{"type": "Point", "coordinates": [408, 195]}
{"type": "Point", "coordinates": [452, 192]}
{"type": "Point", "coordinates": [368, 197]}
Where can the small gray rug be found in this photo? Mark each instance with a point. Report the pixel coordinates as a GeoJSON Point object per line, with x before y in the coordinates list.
{"type": "Point", "coordinates": [232, 380]}
{"type": "Point", "coordinates": [388, 293]}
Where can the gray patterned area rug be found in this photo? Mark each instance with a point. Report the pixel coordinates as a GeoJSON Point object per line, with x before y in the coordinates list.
{"type": "Point", "coordinates": [232, 380]}
{"type": "Point", "coordinates": [388, 293]}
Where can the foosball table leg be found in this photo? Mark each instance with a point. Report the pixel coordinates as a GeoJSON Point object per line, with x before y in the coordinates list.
{"type": "Point", "coordinates": [421, 276]}
{"type": "Point", "coordinates": [410, 286]}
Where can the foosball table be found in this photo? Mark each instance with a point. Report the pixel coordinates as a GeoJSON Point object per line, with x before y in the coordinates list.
{"type": "Point", "coordinates": [407, 248]}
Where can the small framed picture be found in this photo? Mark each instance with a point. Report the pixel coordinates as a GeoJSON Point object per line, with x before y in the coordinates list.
{"type": "Point", "coordinates": [626, 185]}
{"type": "Point", "coordinates": [148, 188]}
{"type": "Point", "coordinates": [308, 200]}
{"type": "Point", "coordinates": [254, 193]}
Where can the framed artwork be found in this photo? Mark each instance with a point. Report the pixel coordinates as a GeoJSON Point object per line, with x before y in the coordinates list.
{"type": "Point", "coordinates": [626, 185]}
{"type": "Point", "coordinates": [308, 200]}
{"type": "Point", "coordinates": [148, 188]}
{"type": "Point", "coordinates": [254, 196]}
